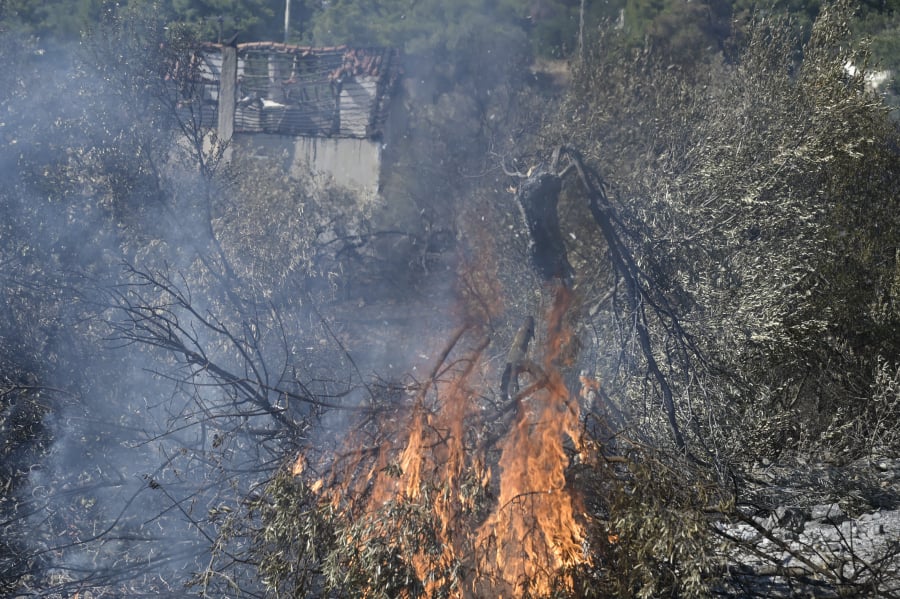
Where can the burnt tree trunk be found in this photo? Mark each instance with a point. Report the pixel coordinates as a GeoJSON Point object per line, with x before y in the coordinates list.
{"type": "Point", "coordinates": [538, 197]}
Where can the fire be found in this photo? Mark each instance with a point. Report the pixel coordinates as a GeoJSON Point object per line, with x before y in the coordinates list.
{"type": "Point", "coordinates": [478, 534]}
{"type": "Point", "coordinates": [589, 386]}
{"type": "Point", "coordinates": [533, 534]}
{"type": "Point", "coordinates": [299, 465]}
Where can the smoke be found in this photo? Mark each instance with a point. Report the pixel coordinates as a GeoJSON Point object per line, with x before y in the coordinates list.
{"type": "Point", "coordinates": [147, 451]}
{"type": "Point", "coordinates": [110, 218]}
{"type": "Point", "coordinates": [120, 497]}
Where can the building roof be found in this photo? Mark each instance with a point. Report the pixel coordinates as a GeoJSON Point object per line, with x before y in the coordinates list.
{"type": "Point", "coordinates": [337, 91]}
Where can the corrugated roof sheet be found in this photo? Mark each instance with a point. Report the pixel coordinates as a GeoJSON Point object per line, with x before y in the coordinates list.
{"type": "Point", "coordinates": [296, 90]}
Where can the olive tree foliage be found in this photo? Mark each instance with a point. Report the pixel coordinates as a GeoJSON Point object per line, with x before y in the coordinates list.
{"type": "Point", "coordinates": [762, 196]}
{"type": "Point", "coordinates": [741, 189]}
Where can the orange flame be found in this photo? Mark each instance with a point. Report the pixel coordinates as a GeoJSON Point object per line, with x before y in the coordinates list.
{"type": "Point", "coordinates": [534, 534]}
{"type": "Point", "coordinates": [522, 541]}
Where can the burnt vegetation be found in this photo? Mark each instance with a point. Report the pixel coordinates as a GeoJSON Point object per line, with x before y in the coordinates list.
{"type": "Point", "coordinates": [602, 309]}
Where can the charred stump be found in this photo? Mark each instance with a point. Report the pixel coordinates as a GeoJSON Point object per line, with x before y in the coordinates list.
{"type": "Point", "coordinates": [538, 198]}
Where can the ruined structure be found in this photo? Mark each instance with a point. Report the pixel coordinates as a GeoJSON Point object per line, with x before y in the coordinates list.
{"type": "Point", "coordinates": [327, 111]}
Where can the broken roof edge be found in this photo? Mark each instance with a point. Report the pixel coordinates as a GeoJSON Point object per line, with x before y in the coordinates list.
{"type": "Point", "coordinates": [293, 48]}
{"type": "Point", "coordinates": [372, 61]}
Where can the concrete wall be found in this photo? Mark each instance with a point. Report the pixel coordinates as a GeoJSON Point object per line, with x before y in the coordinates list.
{"type": "Point", "coordinates": [348, 162]}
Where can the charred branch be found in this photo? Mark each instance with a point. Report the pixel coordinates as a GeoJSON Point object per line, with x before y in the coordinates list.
{"type": "Point", "coordinates": [639, 290]}
{"type": "Point", "coordinates": [537, 197]}
{"type": "Point", "coordinates": [171, 321]}
{"type": "Point", "coordinates": [516, 359]}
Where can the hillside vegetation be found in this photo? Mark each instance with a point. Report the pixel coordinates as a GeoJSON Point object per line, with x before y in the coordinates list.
{"type": "Point", "coordinates": [218, 379]}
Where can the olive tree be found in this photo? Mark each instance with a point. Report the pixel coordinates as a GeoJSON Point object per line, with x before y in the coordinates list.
{"type": "Point", "coordinates": [761, 194]}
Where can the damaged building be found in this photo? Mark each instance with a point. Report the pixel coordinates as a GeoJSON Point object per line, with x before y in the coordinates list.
{"type": "Point", "coordinates": [328, 112]}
